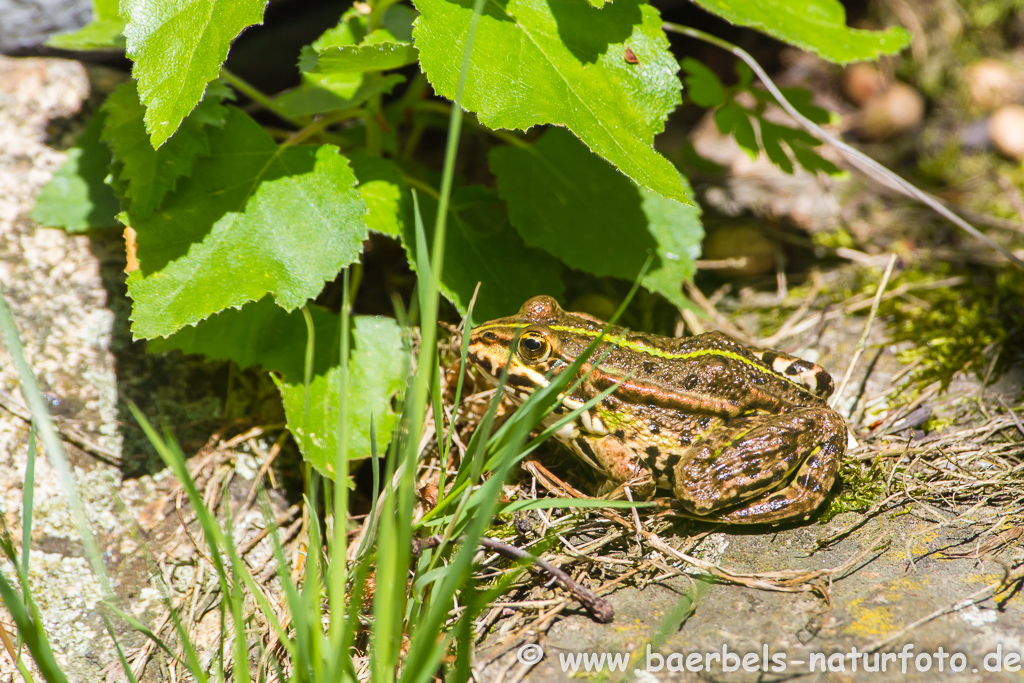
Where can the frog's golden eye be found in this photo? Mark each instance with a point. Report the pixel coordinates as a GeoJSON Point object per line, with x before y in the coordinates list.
{"type": "Point", "coordinates": [534, 347]}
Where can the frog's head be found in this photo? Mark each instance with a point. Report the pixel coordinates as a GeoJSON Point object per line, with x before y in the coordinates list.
{"type": "Point", "coordinates": [526, 342]}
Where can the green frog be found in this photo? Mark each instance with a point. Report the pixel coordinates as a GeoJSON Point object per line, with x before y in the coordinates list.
{"type": "Point", "coordinates": [738, 434]}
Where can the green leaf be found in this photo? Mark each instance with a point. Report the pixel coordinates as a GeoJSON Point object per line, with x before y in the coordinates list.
{"type": "Point", "coordinates": [377, 370]}
{"type": "Point", "coordinates": [811, 160]}
{"type": "Point", "coordinates": [384, 192]}
{"type": "Point", "coordinates": [732, 118]}
{"type": "Point", "coordinates": [534, 62]}
{"type": "Point", "coordinates": [770, 135]}
{"type": "Point", "coordinates": [480, 244]}
{"type": "Point", "coordinates": [319, 95]}
{"type": "Point", "coordinates": [801, 99]}
{"type": "Point", "coordinates": [373, 54]}
{"type": "Point", "coordinates": [324, 89]}
{"type": "Point", "coordinates": [571, 203]}
{"type": "Point", "coordinates": [76, 198]}
{"type": "Point", "coordinates": [178, 47]}
{"type": "Point", "coordinates": [678, 232]}
{"type": "Point", "coordinates": [261, 334]}
{"type": "Point", "coordinates": [253, 218]}
{"type": "Point", "coordinates": [102, 33]}
{"type": "Point", "coordinates": [144, 174]}
{"type": "Point", "coordinates": [702, 85]}
{"type": "Point", "coordinates": [482, 247]}
{"type": "Point", "coordinates": [815, 25]}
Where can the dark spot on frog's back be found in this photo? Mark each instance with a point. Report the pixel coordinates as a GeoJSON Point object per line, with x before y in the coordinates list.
{"type": "Point", "coordinates": [751, 468]}
{"type": "Point", "coordinates": [690, 382]}
{"type": "Point", "coordinates": [648, 367]}
{"type": "Point", "coordinates": [652, 452]}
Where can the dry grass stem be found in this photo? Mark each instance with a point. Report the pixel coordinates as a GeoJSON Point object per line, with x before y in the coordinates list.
{"type": "Point", "coordinates": [864, 336]}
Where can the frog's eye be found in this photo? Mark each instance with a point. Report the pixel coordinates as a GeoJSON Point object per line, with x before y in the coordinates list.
{"type": "Point", "coordinates": [533, 347]}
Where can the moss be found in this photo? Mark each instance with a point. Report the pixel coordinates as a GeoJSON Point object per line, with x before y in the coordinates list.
{"type": "Point", "coordinates": [863, 486]}
{"type": "Point", "coordinates": [834, 239]}
{"type": "Point", "coordinates": [950, 329]}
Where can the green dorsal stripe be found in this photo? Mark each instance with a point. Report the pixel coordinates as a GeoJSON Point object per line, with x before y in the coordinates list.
{"type": "Point", "coordinates": [651, 351]}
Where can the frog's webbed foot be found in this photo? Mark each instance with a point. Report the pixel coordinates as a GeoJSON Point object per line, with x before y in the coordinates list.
{"type": "Point", "coordinates": [641, 487]}
{"type": "Point", "coordinates": [619, 464]}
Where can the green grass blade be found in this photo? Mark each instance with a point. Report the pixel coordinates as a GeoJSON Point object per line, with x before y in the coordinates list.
{"type": "Point", "coordinates": [338, 572]}
{"type": "Point", "coordinates": [30, 630]}
{"type": "Point", "coordinates": [307, 367]}
{"type": "Point", "coordinates": [54, 447]}
{"type": "Point", "coordinates": [120, 653]}
{"type": "Point", "coordinates": [27, 504]}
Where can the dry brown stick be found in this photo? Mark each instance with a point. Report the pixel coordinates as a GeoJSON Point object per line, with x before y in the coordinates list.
{"type": "Point", "coordinates": [800, 312]}
{"type": "Point", "coordinates": [862, 519]}
{"type": "Point", "coordinates": [598, 607]}
{"type": "Point", "coordinates": [8, 645]}
{"type": "Point", "coordinates": [723, 323]}
{"type": "Point", "coordinates": [282, 519]}
{"type": "Point", "coordinates": [1013, 415]}
{"type": "Point", "coordinates": [69, 433]}
{"type": "Point", "coordinates": [855, 304]}
{"type": "Point", "coordinates": [544, 619]}
{"type": "Point", "coordinates": [274, 451]}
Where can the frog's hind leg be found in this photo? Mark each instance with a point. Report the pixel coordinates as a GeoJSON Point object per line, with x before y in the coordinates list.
{"type": "Point", "coordinates": [761, 469]}
{"type": "Point", "coordinates": [800, 498]}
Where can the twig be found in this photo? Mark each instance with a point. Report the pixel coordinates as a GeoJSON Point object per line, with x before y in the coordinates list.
{"type": "Point", "coordinates": [864, 335]}
{"type": "Point", "coordinates": [70, 434]}
{"type": "Point", "coordinates": [972, 599]}
{"type": "Point", "coordinates": [723, 323]}
{"type": "Point", "coordinates": [282, 519]}
{"type": "Point", "coordinates": [798, 314]}
{"type": "Point", "coordinates": [855, 157]}
{"type": "Point", "coordinates": [268, 461]}
{"type": "Point", "coordinates": [1013, 415]}
{"type": "Point", "coordinates": [598, 607]}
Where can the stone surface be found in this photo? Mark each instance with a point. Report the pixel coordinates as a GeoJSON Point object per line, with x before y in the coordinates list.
{"type": "Point", "coordinates": [66, 296]}
{"type": "Point", "coordinates": [26, 24]}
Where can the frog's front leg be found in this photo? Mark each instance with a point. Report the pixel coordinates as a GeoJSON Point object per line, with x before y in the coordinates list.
{"type": "Point", "coordinates": [762, 469]}
{"type": "Point", "coordinates": [618, 463]}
